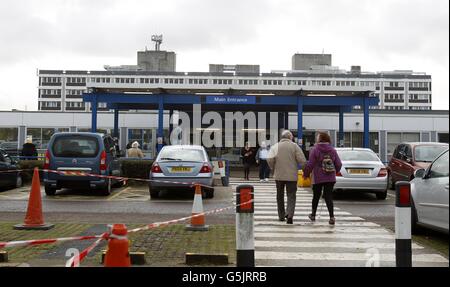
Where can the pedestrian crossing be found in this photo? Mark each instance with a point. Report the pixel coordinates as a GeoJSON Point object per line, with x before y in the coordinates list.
{"type": "Point", "coordinates": [352, 242]}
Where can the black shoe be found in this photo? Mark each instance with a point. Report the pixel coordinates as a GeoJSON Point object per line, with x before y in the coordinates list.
{"type": "Point", "coordinates": [289, 220]}
{"type": "Point", "coordinates": [281, 219]}
{"type": "Point", "coordinates": [312, 217]}
{"type": "Point", "coordinates": [332, 221]}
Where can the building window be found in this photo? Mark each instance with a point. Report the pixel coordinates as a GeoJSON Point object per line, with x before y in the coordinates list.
{"type": "Point", "coordinates": [8, 139]}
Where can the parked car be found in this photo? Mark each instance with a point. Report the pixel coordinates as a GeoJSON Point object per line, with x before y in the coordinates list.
{"type": "Point", "coordinates": [363, 170]}
{"type": "Point", "coordinates": [429, 191]}
{"type": "Point", "coordinates": [178, 164]}
{"type": "Point", "coordinates": [9, 179]}
{"type": "Point", "coordinates": [409, 157]}
{"type": "Point", "coordinates": [93, 153]}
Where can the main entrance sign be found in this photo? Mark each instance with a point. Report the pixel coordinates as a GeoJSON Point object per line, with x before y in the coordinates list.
{"type": "Point", "coordinates": [249, 100]}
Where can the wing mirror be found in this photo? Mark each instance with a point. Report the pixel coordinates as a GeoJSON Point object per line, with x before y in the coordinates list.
{"type": "Point", "coordinates": [419, 173]}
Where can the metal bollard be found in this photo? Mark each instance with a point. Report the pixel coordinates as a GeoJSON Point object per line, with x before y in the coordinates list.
{"type": "Point", "coordinates": [403, 250]}
{"type": "Point", "coordinates": [245, 243]}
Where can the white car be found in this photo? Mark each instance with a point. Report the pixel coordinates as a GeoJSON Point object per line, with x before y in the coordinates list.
{"type": "Point", "coordinates": [429, 191]}
{"type": "Point", "coordinates": [362, 170]}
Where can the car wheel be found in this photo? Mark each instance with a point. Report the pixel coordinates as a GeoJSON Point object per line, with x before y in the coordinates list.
{"type": "Point", "coordinates": [107, 188]}
{"type": "Point", "coordinates": [209, 193]}
{"type": "Point", "coordinates": [19, 181]}
{"type": "Point", "coordinates": [391, 183]}
{"type": "Point", "coordinates": [49, 191]}
{"type": "Point", "coordinates": [154, 193]}
{"type": "Point", "coordinates": [381, 195]}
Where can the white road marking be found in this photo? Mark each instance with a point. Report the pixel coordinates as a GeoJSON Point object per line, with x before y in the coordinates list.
{"type": "Point", "coordinates": [298, 211]}
{"type": "Point", "coordinates": [324, 235]}
{"type": "Point", "coordinates": [274, 255]}
{"type": "Point", "coordinates": [304, 223]}
{"type": "Point", "coordinates": [305, 218]}
{"type": "Point", "coordinates": [319, 229]}
{"type": "Point", "coordinates": [328, 244]}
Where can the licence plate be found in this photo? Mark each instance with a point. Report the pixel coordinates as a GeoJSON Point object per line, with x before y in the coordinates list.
{"type": "Point", "coordinates": [181, 169]}
{"type": "Point", "coordinates": [358, 171]}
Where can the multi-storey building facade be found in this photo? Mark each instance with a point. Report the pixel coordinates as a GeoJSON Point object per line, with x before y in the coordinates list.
{"type": "Point", "coordinates": [397, 90]}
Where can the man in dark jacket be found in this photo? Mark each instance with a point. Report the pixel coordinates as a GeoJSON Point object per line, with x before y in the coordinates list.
{"type": "Point", "coordinates": [29, 151]}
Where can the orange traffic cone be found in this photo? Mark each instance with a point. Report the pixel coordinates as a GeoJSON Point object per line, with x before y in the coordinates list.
{"type": "Point", "coordinates": [197, 222]}
{"type": "Point", "coordinates": [34, 218]}
{"type": "Point", "coordinates": [117, 254]}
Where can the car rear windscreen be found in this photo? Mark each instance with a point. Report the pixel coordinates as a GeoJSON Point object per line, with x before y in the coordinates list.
{"type": "Point", "coordinates": [75, 146]}
{"type": "Point", "coordinates": [357, 155]}
{"type": "Point", "coordinates": [428, 153]}
{"type": "Point", "coordinates": [174, 154]}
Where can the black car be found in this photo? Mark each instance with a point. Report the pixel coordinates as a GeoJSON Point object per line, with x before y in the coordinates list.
{"type": "Point", "coordinates": [8, 179]}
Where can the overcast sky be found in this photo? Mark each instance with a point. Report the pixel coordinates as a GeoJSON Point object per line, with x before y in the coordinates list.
{"type": "Point", "coordinates": [379, 35]}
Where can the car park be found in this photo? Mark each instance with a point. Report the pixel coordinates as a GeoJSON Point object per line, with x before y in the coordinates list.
{"type": "Point", "coordinates": [362, 170]}
{"type": "Point", "coordinates": [9, 176]}
{"type": "Point", "coordinates": [429, 192]}
{"type": "Point", "coordinates": [179, 166]}
{"type": "Point", "coordinates": [411, 156]}
{"type": "Point", "coordinates": [92, 153]}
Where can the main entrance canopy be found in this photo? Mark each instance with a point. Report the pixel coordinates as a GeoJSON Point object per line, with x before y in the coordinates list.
{"type": "Point", "coordinates": [301, 101]}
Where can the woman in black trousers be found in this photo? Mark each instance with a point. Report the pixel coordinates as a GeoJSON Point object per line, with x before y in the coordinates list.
{"type": "Point", "coordinates": [247, 158]}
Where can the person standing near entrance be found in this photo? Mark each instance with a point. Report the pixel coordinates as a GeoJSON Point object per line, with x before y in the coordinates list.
{"type": "Point", "coordinates": [261, 159]}
{"type": "Point", "coordinates": [135, 151]}
{"type": "Point", "coordinates": [247, 159]}
{"type": "Point", "coordinates": [323, 162]}
{"type": "Point", "coordinates": [29, 151]}
{"type": "Point", "coordinates": [284, 158]}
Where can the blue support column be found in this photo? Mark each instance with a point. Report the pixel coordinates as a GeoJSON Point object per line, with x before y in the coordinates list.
{"type": "Point", "coordinates": [366, 122]}
{"type": "Point", "coordinates": [286, 120]}
{"type": "Point", "coordinates": [160, 130]}
{"type": "Point", "coordinates": [94, 106]}
{"type": "Point", "coordinates": [116, 123]}
{"type": "Point", "coordinates": [300, 120]}
{"type": "Point", "coordinates": [341, 127]}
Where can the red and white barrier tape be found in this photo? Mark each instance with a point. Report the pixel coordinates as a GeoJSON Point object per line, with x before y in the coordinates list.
{"type": "Point", "coordinates": [81, 173]}
{"type": "Point", "coordinates": [166, 223]}
{"type": "Point", "coordinates": [76, 259]}
{"type": "Point", "coordinates": [44, 241]}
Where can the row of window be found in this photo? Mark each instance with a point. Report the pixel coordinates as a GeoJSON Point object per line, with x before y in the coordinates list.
{"type": "Point", "coordinates": [75, 104]}
{"type": "Point", "coordinates": [50, 104]}
{"type": "Point", "coordinates": [418, 84]}
{"type": "Point", "coordinates": [269, 82]}
{"type": "Point", "coordinates": [420, 108]}
{"type": "Point", "coordinates": [53, 80]}
{"type": "Point", "coordinates": [50, 92]}
{"type": "Point", "coordinates": [419, 96]}
{"type": "Point", "coordinates": [74, 92]}
{"type": "Point", "coordinates": [393, 97]}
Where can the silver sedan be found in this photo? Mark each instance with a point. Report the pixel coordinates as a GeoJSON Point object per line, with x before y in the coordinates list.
{"type": "Point", "coordinates": [179, 166]}
{"type": "Point", "coordinates": [361, 169]}
{"type": "Point", "coordinates": [429, 191]}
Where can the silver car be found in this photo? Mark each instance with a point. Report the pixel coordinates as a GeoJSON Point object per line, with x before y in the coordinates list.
{"type": "Point", "coordinates": [361, 169]}
{"type": "Point", "coordinates": [179, 166]}
{"type": "Point", "coordinates": [429, 191]}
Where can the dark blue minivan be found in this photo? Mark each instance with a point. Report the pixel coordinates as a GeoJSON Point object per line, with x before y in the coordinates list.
{"type": "Point", "coordinates": [93, 153]}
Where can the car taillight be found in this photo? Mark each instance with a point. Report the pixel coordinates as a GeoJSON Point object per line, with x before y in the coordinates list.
{"type": "Point", "coordinates": [205, 168]}
{"type": "Point", "coordinates": [103, 161]}
{"type": "Point", "coordinates": [382, 173]}
{"type": "Point", "coordinates": [156, 168]}
{"type": "Point", "coordinates": [338, 173]}
{"type": "Point", "coordinates": [47, 160]}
